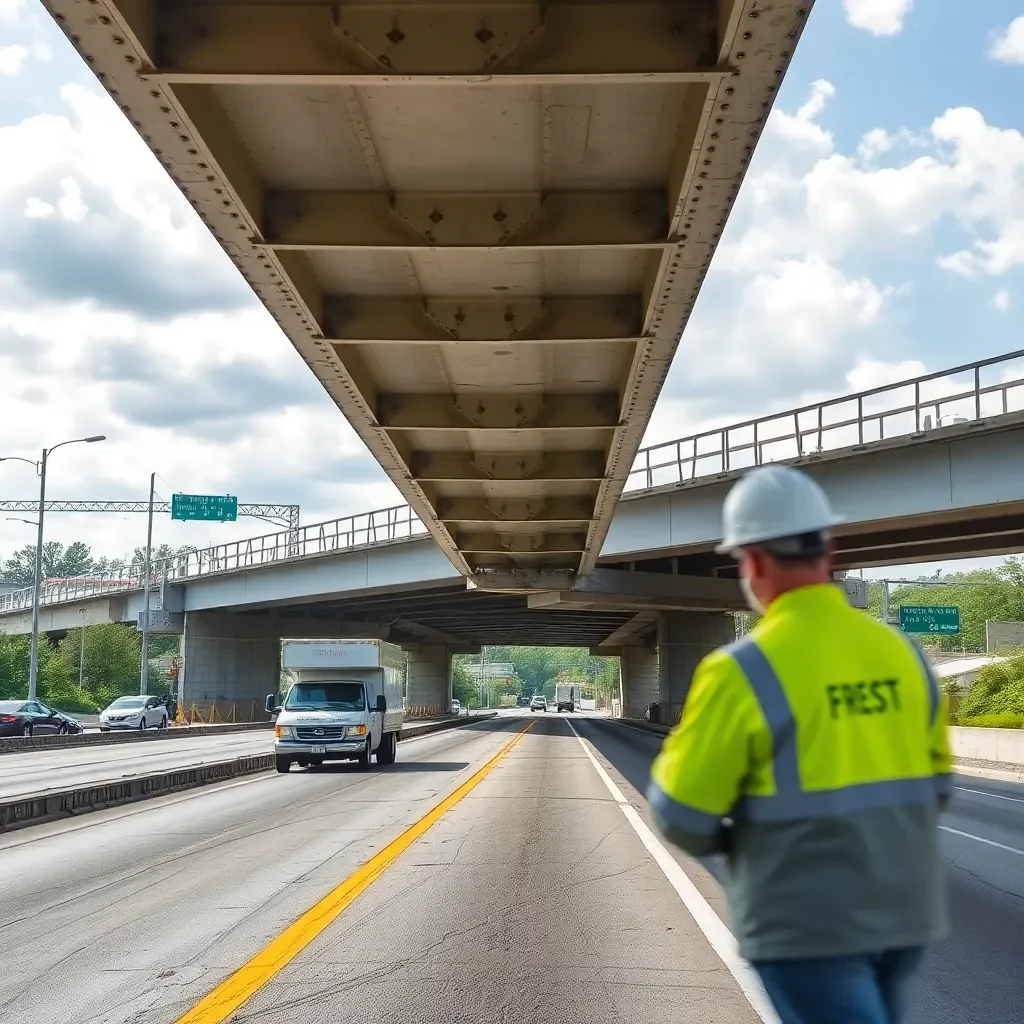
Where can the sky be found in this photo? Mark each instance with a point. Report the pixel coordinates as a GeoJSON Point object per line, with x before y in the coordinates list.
{"type": "Point", "coordinates": [879, 235]}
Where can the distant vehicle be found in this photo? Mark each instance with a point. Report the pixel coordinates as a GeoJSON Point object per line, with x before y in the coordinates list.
{"type": "Point", "coordinates": [34, 718]}
{"type": "Point", "coordinates": [456, 707]}
{"type": "Point", "coordinates": [566, 697]}
{"type": "Point", "coordinates": [344, 702]}
{"type": "Point", "coordinates": [134, 713]}
{"type": "Point", "coordinates": [538, 703]}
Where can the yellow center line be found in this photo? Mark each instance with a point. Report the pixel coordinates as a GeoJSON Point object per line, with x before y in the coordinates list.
{"type": "Point", "coordinates": [217, 1006]}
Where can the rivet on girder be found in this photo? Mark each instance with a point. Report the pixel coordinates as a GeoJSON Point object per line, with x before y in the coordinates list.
{"type": "Point", "coordinates": [436, 217]}
{"type": "Point", "coordinates": [484, 34]}
{"type": "Point", "coordinates": [396, 35]}
{"type": "Point", "coordinates": [500, 215]}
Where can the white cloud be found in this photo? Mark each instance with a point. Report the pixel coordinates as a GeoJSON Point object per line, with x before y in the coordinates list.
{"type": "Point", "coordinates": [800, 128]}
{"type": "Point", "coordinates": [1001, 300]}
{"type": "Point", "coordinates": [12, 59]}
{"type": "Point", "coordinates": [11, 10]}
{"type": "Point", "coordinates": [879, 17]}
{"type": "Point", "coordinates": [1008, 45]}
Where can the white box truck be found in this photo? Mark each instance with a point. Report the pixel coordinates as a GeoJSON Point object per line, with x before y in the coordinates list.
{"type": "Point", "coordinates": [344, 702]}
{"type": "Point", "coordinates": [566, 696]}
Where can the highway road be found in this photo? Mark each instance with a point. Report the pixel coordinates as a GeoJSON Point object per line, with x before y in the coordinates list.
{"type": "Point", "coordinates": [535, 895]}
{"type": "Point", "coordinates": [24, 773]}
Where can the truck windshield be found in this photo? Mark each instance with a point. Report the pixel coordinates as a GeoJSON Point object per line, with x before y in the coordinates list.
{"type": "Point", "coordinates": [326, 697]}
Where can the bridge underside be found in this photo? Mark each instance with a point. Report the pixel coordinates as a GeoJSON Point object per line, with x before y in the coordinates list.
{"type": "Point", "coordinates": [482, 225]}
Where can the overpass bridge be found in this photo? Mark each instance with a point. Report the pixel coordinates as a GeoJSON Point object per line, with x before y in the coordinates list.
{"type": "Point", "coordinates": [482, 225]}
{"type": "Point", "coordinates": [910, 488]}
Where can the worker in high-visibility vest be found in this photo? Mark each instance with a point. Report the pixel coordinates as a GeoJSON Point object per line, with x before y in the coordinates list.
{"type": "Point", "coordinates": [814, 754]}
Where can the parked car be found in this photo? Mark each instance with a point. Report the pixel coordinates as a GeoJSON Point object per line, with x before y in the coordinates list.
{"type": "Point", "coordinates": [34, 718]}
{"type": "Point", "coordinates": [134, 713]}
{"type": "Point", "coordinates": [456, 707]}
{"type": "Point", "coordinates": [538, 703]}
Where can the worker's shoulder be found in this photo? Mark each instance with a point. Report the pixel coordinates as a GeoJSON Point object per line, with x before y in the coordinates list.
{"type": "Point", "coordinates": [721, 667]}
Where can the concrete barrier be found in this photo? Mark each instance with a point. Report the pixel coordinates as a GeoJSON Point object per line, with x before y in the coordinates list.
{"type": "Point", "coordinates": [33, 810]}
{"type": "Point", "coordinates": [41, 807]}
{"type": "Point", "coordinates": [13, 744]}
{"type": "Point", "coordinates": [997, 746]}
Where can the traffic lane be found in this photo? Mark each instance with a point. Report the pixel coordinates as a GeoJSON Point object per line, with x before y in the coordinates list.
{"type": "Point", "coordinates": [531, 900]}
{"type": "Point", "coordinates": [38, 771]}
{"type": "Point", "coordinates": [974, 977]}
{"type": "Point", "coordinates": [135, 913]}
{"type": "Point", "coordinates": [986, 892]}
{"type": "Point", "coordinates": [29, 772]}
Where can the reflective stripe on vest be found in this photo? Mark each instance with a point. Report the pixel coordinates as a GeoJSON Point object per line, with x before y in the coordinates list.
{"type": "Point", "coordinates": [791, 801]}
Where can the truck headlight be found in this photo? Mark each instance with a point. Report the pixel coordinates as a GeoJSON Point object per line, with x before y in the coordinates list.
{"type": "Point", "coordinates": [356, 730]}
{"type": "Point", "coordinates": [283, 732]}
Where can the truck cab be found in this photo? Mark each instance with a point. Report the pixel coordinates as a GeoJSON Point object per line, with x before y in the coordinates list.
{"type": "Point", "coordinates": [344, 703]}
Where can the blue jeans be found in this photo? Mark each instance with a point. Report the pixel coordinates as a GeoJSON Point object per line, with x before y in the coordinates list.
{"type": "Point", "coordinates": [872, 988]}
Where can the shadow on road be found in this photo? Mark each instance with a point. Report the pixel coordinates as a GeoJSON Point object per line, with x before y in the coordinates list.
{"type": "Point", "coordinates": [398, 768]}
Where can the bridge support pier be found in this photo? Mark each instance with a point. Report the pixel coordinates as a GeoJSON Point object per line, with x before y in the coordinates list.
{"type": "Point", "coordinates": [638, 679]}
{"type": "Point", "coordinates": [684, 638]}
{"type": "Point", "coordinates": [230, 658]}
{"type": "Point", "coordinates": [429, 688]}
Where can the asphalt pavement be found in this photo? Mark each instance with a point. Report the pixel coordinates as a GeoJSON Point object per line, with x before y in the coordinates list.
{"type": "Point", "coordinates": [533, 898]}
{"type": "Point", "coordinates": [25, 773]}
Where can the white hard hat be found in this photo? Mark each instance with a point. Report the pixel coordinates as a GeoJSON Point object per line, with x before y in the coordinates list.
{"type": "Point", "coordinates": [770, 503]}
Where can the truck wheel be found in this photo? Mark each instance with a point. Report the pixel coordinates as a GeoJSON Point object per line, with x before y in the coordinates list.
{"type": "Point", "coordinates": [388, 748]}
{"type": "Point", "coordinates": [364, 757]}
{"type": "Point", "coordinates": [283, 764]}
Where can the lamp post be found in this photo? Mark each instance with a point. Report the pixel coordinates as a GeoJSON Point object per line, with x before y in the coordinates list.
{"type": "Point", "coordinates": [33, 664]}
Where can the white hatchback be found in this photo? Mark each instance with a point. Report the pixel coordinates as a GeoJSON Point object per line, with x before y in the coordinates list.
{"type": "Point", "coordinates": [134, 713]}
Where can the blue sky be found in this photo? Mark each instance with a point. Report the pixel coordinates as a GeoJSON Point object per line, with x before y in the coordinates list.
{"type": "Point", "coordinates": [879, 234]}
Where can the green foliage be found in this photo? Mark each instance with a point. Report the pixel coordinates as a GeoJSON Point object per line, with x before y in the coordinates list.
{"type": "Point", "coordinates": [112, 657]}
{"type": "Point", "coordinates": [15, 652]}
{"type": "Point", "coordinates": [1002, 720]}
{"type": "Point", "coordinates": [997, 691]}
{"type": "Point", "coordinates": [464, 689]}
{"type": "Point", "coordinates": [980, 595]}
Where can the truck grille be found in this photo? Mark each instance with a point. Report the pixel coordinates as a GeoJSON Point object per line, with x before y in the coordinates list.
{"type": "Point", "coordinates": [320, 732]}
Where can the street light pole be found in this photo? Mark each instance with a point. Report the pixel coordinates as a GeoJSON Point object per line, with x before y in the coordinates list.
{"type": "Point", "coordinates": [33, 663]}
{"type": "Point", "coordinates": [144, 669]}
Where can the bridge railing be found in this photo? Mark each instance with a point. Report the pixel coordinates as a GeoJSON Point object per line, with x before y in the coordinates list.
{"type": "Point", "coordinates": [962, 394]}
{"type": "Point", "coordinates": [368, 529]}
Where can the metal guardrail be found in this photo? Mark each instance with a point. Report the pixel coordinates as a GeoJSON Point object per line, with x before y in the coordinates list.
{"type": "Point", "coordinates": [368, 529]}
{"type": "Point", "coordinates": [907, 408]}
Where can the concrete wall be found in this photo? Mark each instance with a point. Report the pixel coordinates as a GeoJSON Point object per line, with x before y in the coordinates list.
{"type": "Point", "coordinates": [228, 658]}
{"type": "Point", "coordinates": [1001, 635]}
{"type": "Point", "coordinates": [1003, 745]}
{"type": "Point", "coordinates": [684, 639]}
{"type": "Point", "coordinates": [638, 679]}
{"type": "Point", "coordinates": [429, 687]}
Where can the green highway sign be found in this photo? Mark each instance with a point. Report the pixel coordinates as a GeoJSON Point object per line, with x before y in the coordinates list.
{"type": "Point", "coordinates": [923, 618]}
{"type": "Point", "coordinates": [217, 508]}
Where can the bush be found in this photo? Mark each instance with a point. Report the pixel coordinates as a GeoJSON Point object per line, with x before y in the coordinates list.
{"type": "Point", "coordinates": [1001, 720]}
{"type": "Point", "coordinates": [70, 698]}
{"type": "Point", "coordinates": [998, 690]}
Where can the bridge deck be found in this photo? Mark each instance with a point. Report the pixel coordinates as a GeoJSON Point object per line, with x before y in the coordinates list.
{"type": "Point", "coordinates": [482, 225]}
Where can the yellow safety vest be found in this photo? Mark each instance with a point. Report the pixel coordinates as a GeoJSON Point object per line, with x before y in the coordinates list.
{"type": "Point", "coordinates": [822, 736]}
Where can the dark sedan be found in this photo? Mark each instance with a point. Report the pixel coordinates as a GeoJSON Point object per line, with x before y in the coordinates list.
{"type": "Point", "coordinates": [34, 718]}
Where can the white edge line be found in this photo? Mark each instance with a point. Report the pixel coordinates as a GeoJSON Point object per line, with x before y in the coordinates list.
{"type": "Point", "coordinates": [981, 839]}
{"type": "Point", "coordinates": [718, 935]}
{"type": "Point", "coordinates": [994, 796]}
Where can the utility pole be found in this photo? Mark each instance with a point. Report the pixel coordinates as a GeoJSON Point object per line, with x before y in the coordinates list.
{"type": "Point", "coordinates": [885, 601]}
{"type": "Point", "coordinates": [33, 658]}
{"type": "Point", "coordinates": [81, 653]}
{"type": "Point", "coordinates": [144, 670]}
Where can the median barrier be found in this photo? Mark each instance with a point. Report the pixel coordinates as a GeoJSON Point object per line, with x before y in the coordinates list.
{"type": "Point", "coordinates": [13, 744]}
{"type": "Point", "coordinates": [41, 807]}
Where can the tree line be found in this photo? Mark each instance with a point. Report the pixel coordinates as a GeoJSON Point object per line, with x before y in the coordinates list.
{"type": "Point", "coordinates": [107, 657]}
{"type": "Point", "coordinates": [76, 560]}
